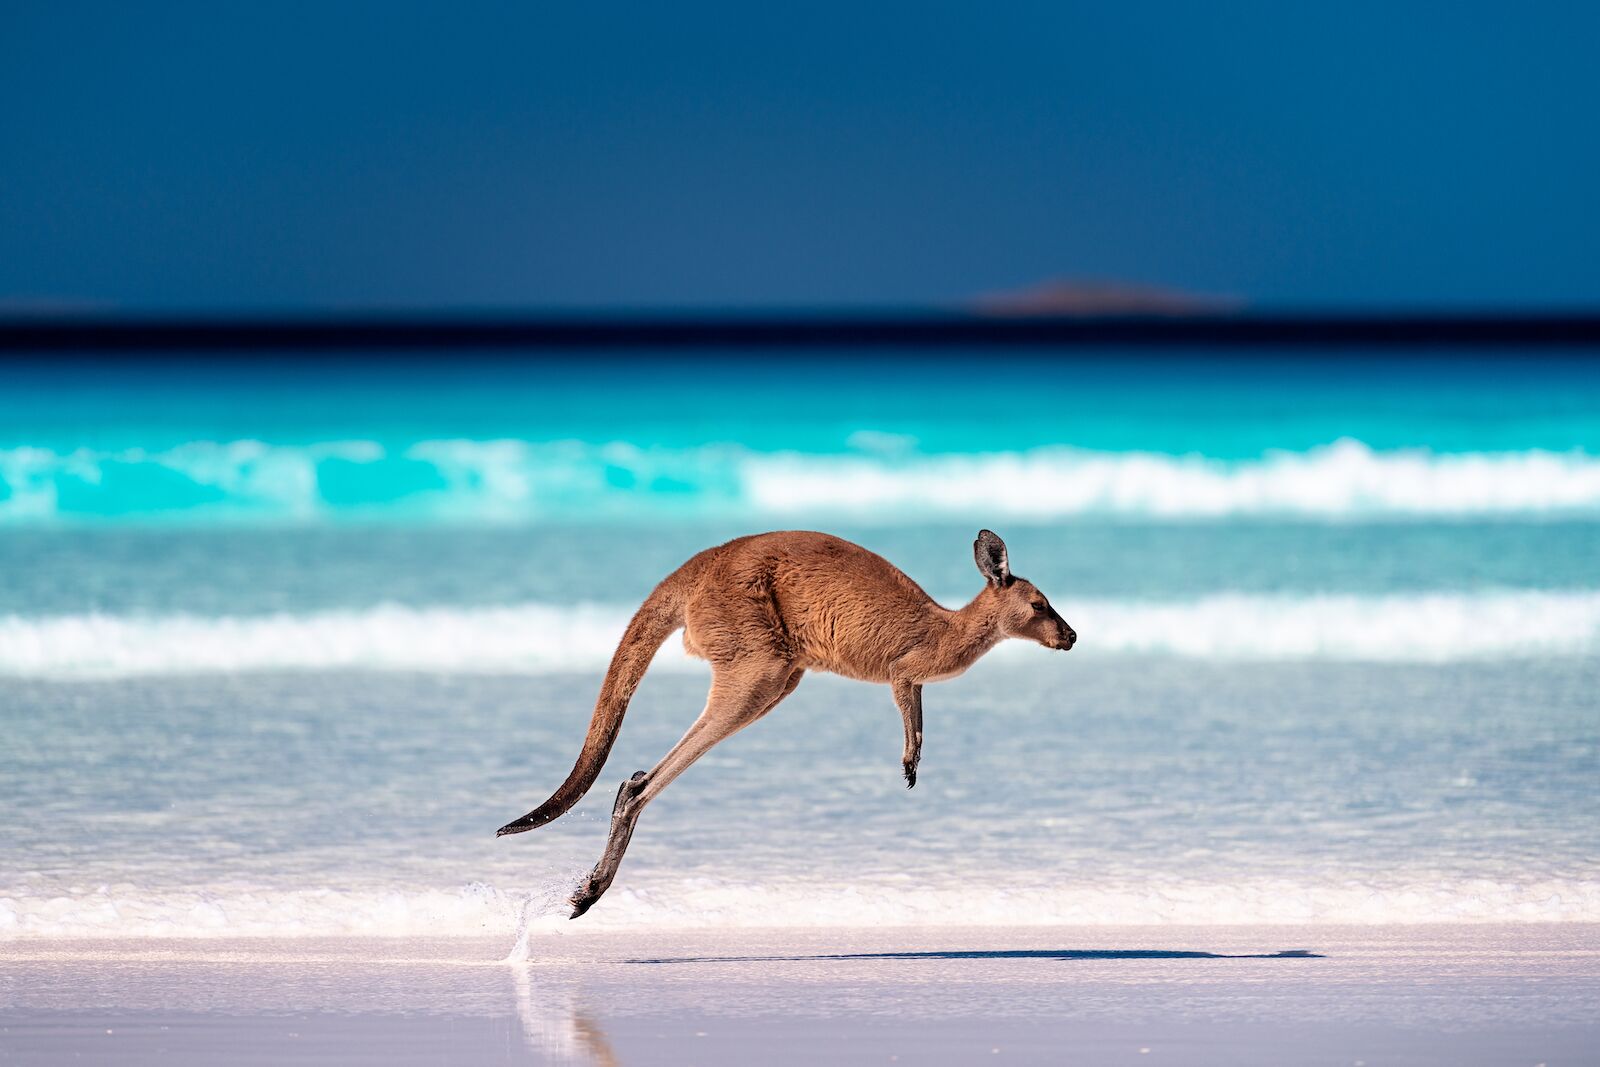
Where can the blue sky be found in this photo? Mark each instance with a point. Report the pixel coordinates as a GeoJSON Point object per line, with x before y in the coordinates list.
{"type": "Point", "coordinates": [282, 156]}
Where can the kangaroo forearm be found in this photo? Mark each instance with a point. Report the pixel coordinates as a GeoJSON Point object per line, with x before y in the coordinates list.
{"type": "Point", "coordinates": [908, 696]}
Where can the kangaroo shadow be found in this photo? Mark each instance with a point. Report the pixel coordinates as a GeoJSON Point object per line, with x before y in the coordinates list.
{"type": "Point", "coordinates": [1005, 954]}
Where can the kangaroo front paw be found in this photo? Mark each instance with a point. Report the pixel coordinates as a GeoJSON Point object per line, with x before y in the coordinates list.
{"type": "Point", "coordinates": [910, 770]}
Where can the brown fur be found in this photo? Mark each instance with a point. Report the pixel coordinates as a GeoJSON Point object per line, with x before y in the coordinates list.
{"type": "Point", "coordinates": [765, 609]}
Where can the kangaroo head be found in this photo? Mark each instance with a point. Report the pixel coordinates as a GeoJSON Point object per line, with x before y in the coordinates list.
{"type": "Point", "coordinates": [1023, 610]}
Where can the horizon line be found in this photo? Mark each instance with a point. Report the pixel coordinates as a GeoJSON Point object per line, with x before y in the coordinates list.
{"type": "Point", "coordinates": [823, 328]}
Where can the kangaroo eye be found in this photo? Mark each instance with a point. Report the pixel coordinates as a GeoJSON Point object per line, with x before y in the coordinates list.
{"type": "Point", "coordinates": [1040, 609]}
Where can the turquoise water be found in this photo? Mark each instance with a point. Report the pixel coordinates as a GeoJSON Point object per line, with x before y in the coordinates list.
{"type": "Point", "coordinates": [296, 635]}
{"type": "Point", "coordinates": [588, 439]}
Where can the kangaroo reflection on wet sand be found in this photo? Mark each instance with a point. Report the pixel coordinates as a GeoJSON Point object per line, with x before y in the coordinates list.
{"type": "Point", "coordinates": [556, 1029]}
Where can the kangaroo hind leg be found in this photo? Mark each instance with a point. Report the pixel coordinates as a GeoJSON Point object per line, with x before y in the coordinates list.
{"type": "Point", "coordinates": [739, 695]}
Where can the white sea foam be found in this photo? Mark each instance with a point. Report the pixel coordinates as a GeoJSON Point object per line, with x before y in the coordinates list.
{"type": "Point", "coordinates": [523, 481]}
{"type": "Point", "coordinates": [1345, 478]}
{"type": "Point", "coordinates": [656, 903]}
{"type": "Point", "coordinates": [1436, 627]}
{"type": "Point", "coordinates": [530, 639]}
{"type": "Point", "coordinates": [545, 639]}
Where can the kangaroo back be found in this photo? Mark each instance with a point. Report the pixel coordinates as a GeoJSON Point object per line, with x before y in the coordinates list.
{"type": "Point", "coordinates": [657, 617]}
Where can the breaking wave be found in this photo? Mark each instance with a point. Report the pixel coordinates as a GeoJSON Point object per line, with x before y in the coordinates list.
{"type": "Point", "coordinates": [705, 902]}
{"type": "Point", "coordinates": [523, 481]}
{"type": "Point", "coordinates": [546, 639]}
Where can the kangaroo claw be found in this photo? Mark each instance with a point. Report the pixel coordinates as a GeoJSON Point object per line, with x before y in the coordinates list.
{"type": "Point", "coordinates": [583, 898]}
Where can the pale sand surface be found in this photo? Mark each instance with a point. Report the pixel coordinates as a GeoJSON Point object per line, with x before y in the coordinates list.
{"type": "Point", "coordinates": [1512, 994]}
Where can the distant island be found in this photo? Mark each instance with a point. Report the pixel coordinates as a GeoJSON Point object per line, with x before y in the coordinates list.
{"type": "Point", "coordinates": [1086, 297]}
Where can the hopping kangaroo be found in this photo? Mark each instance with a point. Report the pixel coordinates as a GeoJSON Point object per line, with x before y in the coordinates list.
{"type": "Point", "coordinates": [764, 610]}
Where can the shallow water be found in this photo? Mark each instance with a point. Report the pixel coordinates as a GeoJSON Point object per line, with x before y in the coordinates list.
{"type": "Point", "coordinates": [280, 647]}
{"type": "Point", "coordinates": [1092, 790]}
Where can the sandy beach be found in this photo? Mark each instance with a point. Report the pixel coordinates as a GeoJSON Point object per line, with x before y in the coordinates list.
{"type": "Point", "coordinates": [1460, 994]}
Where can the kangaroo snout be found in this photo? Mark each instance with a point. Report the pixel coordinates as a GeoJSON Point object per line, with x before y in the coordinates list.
{"type": "Point", "coordinates": [1068, 638]}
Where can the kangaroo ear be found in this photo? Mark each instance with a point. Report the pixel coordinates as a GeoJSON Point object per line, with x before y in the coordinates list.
{"type": "Point", "coordinates": [993, 564]}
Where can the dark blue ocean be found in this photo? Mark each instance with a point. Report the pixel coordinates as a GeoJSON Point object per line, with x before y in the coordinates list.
{"type": "Point", "coordinates": [283, 641]}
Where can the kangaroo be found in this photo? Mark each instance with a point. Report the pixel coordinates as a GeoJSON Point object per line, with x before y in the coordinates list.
{"type": "Point", "coordinates": [765, 609]}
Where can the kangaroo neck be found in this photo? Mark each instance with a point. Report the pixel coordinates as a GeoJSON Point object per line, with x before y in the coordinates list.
{"type": "Point", "coordinates": [972, 631]}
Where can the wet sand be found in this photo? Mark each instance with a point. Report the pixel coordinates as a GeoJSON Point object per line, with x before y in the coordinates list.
{"type": "Point", "coordinates": [1223, 995]}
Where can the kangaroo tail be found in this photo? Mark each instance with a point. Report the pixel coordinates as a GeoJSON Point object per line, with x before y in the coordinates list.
{"type": "Point", "coordinates": [657, 617]}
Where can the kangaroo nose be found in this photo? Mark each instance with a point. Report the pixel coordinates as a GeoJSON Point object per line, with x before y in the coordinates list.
{"type": "Point", "coordinates": [1071, 638]}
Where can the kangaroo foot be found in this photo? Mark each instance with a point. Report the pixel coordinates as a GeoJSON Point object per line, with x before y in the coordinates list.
{"type": "Point", "coordinates": [591, 891]}
{"type": "Point", "coordinates": [622, 819]}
